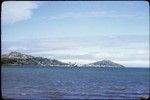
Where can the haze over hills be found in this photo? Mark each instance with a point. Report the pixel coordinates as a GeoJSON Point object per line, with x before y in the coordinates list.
{"type": "Point", "coordinates": [17, 58]}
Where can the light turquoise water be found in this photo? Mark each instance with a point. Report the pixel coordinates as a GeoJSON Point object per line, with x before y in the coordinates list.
{"type": "Point", "coordinates": [30, 82]}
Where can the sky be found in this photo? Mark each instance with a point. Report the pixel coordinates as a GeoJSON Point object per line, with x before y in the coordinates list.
{"type": "Point", "coordinates": [78, 31]}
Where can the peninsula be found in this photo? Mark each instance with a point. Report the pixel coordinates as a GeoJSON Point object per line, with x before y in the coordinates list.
{"type": "Point", "coordinates": [17, 58]}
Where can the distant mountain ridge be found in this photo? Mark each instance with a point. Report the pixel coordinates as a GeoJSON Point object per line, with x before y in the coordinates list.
{"type": "Point", "coordinates": [16, 55]}
{"type": "Point", "coordinates": [17, 58]}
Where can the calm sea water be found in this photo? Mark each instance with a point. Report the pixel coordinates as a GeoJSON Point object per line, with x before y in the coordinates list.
{"type": "Point", "coordinates": [30, 82]}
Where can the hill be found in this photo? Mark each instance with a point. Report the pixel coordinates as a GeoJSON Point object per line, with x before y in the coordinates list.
{"type": "Point", "coordinates": [105, 63]}
{"type": "Point", "coordinates": [17, 58]}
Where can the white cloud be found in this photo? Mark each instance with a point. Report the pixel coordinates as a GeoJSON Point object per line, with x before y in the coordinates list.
{"type": "Point", "coordinates": [134, 63]}
{"type": "Point", "coordinates": [78, 15]}
{"type": "Point", "coordinates": [15, 11]}
{"type": "Point", "coordinates": [106, 14]}
{"type": "Point", "coordinates": [17, 48]}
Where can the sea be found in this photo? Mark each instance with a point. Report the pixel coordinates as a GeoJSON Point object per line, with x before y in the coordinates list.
{"type": "Point", "coordinates": [44, 82]}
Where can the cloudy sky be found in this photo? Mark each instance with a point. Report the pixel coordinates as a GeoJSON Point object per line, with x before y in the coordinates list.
{"type": "Point", "coordinates": [82, 32]}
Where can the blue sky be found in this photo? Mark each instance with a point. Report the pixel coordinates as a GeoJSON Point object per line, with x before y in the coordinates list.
{"type": "Point", "coordinates": [82, 32]}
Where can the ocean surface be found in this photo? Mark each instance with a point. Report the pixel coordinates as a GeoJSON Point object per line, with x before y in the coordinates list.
{"type": "Point", "coordinates": [30, 82]}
